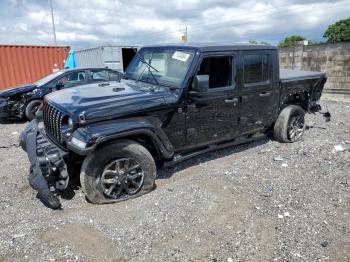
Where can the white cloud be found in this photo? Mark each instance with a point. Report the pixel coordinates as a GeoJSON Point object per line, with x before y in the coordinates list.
{"type": "Point", "coordinates": [81, 23]}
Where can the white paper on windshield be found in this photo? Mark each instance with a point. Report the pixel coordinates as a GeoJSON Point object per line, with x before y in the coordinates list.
{"type": "Point", "coordinates": [180, 56]}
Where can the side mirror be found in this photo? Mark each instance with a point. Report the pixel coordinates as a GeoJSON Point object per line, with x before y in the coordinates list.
{"type": "Point", "coordinates": [59, 85]}
{"type": "Point", "coordinates": [200, 83]}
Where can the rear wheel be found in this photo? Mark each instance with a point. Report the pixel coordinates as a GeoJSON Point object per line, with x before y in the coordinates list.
{"type": "Point", "coordinates": [118, 171]}
{"type": "Point", "coordinates": [290, 124]}
{"type": "Point", "coordinates": [31, 109]}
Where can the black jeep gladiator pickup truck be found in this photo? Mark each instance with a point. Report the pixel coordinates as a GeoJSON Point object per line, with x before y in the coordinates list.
{"type": "Point", "coordinates": [174, 102]}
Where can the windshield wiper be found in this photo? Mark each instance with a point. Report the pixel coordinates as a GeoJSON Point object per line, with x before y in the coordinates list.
{"type": "Point", "coordinates": [149, 65]}
{"type": "Point", "coordinates": [149, 71]}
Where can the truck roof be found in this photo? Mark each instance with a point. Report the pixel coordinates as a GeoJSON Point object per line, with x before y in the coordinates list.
{"type": "Point", "coordinates": [207, 47]}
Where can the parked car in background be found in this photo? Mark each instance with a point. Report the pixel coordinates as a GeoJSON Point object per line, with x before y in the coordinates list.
{"type": "Point", "coordinates": [23, 101]}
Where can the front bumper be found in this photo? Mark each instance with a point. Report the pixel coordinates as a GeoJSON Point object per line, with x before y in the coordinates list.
{"type": "Point", "coordinates": [3, 108]}
{"type": "Point", "coordinates": [47, 164]}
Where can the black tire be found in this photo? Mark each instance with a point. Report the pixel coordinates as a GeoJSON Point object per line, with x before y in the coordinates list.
{"type": "Point", "coordinates": [31, 109]}
{"type": "Point", "coordinates": [97, 163]}
{"type": "Point", "coordinates": [290, 120]}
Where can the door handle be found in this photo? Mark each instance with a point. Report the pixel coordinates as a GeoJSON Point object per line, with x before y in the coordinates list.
{"type": "Point", "coordinates": [265, 94]}
{"type": "Point", "coordinates": [232, 100]}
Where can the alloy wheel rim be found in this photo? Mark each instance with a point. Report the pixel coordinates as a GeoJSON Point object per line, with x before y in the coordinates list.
{"type": "Point", "coordinates": [35, 109]}
{"type": "Point", "coordinates": [121, 177]}
{"type": "Point", "coordinates": [296, 128]}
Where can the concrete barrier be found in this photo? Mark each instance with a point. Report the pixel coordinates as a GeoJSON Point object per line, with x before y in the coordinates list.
{"type": "Point", "coordinates": [334, 59]}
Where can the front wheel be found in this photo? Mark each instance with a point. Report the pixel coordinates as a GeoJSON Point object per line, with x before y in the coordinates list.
{"type": "Point", "coordinates": [290, 124]}
{"type": "Point", "coordinates": [118, 171]}
{"type": "Point", "coordinates": [31, 109]}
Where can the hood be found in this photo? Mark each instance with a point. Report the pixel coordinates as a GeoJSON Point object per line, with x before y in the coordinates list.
{"type": "Point", "coordinates": [110, 99]}
{"type": "Point", "coordinates": [17, 90]}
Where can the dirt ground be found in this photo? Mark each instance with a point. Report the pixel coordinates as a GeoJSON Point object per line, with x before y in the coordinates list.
{"type": "Point", "coordinates": [262, 201]}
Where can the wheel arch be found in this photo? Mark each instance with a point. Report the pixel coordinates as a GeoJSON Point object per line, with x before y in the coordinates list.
{"type": "Point", "coordinates": [145, 131]}
{"type": "Point", "coordinates": [143, 138]}
{"type": "Point", "coordinates": [298, 98]}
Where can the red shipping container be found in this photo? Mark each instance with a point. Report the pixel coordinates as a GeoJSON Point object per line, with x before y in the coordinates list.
{"type": "Point", "coordinates": [22, 64]}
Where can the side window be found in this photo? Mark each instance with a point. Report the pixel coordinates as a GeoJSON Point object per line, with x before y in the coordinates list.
{"type": "Point", "coordinates": [256, 69]}
{"type": "Point", "coordinates": [219, 69]}
{"type": "Point", "coordinates": [114, 76]}
{"type": "Point", "coordinates": [99, 75]}
{"type": "Point", "coordinates": [70, 79]}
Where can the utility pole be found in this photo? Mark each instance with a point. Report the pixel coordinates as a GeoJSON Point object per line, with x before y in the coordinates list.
{"type": "Point", "coordinates": [184, 37]}
{"type": "Point", "coordinates": [53, 23]}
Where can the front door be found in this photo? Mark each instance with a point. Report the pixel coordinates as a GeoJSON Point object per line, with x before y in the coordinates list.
{"type": "Point", "coordinates": [71, 79]}
{"type": "Point", "coordinates": [258, 95]}
{"type": "Point", "coordinates": [213, 117]}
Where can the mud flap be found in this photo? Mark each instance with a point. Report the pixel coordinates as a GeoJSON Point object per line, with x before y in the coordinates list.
{"type": "Point", "coordinates": [36, 178]}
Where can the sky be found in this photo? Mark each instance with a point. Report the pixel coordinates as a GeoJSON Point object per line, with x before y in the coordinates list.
{"type": "Point", "coordinates": [90, 23]}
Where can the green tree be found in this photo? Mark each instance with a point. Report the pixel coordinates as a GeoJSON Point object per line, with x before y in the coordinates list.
{"type": "Point", "coordinates": [290, 41]}
{"type": "Point", "coordinates": [264, 43]}
{"type": "Point", "coordinates": [315, 42]}
{"type": "Point", "coordinates": [338, 32]}
{"type": "Point", "coordinates": [254, 42]}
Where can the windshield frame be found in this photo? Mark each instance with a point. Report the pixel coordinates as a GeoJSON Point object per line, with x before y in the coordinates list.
{"type": "Point", "coordinates": [48, 78]}
{"type": "Point", "coordinates": [162, 82]}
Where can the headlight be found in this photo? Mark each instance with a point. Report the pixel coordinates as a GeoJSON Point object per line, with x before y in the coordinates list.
{"type": "Point", "coordinates": [78, 142]}
{"type": "Point", "coordinates": [67, 126]}
{"type": "Point", "coordinates": [70, 123]}
{"type": "Point", "coordinates": [36, 90]}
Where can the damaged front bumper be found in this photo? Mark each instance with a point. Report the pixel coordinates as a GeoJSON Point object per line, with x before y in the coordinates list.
{"type": "Point", "coordinates": [11, 108]}
{"type": "Point", "coordinates": [47, 164]}
{"type": "Point", "coordinates": [3, 108]}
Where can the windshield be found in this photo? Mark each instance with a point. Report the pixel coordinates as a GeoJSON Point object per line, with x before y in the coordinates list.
{"type": "Point", "coordinates": [48, 78]}
{"type": "Point", "coordinates": [166, 66]}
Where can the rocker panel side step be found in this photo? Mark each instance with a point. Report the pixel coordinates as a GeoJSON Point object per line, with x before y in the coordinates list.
{"type": "Point", "coordinates": [213, 147]}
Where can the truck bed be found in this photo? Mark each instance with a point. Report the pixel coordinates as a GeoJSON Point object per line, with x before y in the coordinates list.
{"type": "Point", "coordinates": [291, 75]}
{"type": "Point", "coordinates": [307, 84]}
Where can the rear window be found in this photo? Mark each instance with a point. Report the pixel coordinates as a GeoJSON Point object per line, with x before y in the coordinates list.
{"type": "Point", "coordinates": [114, 76]}
{"type": "Point", "coordinates": [255, 69]}
{"type": "Point", "coordinates": [99, 75]}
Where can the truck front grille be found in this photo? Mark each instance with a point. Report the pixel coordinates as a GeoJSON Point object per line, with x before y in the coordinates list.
{"type": "Point", "coordinates": [53, 121]}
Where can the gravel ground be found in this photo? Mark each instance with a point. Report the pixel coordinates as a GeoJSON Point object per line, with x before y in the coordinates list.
{"type": "Point", "coordinates": [262, 201]}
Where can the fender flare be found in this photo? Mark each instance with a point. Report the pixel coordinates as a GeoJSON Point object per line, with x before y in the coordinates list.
{"type": "Point", "coordinates": [95, 134]}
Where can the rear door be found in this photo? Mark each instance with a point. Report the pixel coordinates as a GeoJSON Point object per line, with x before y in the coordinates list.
{"type": "Point", "coordinates": [257, 92]}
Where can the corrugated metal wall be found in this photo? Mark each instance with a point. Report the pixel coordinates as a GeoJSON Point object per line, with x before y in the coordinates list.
{"type": "Point", "coordinates": [26, 64]}
{"type": "Point", "coordinates": [102, 56]}
{"type": "Point", "coordinates": [91, 57]}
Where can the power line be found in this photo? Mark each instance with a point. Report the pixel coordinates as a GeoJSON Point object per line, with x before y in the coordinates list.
{"type": "Point", "coordinates": [229, 23]}
{"type": "Point", "coordinates": [208, 24]}
{"type": "Point", "coordinates": [204, 24]}
{"type": "Point", "coordinates": [223, 23]}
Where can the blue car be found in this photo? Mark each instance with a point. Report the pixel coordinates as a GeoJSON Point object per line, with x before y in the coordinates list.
{"type": "Point", "coordinates": [23, 101]}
